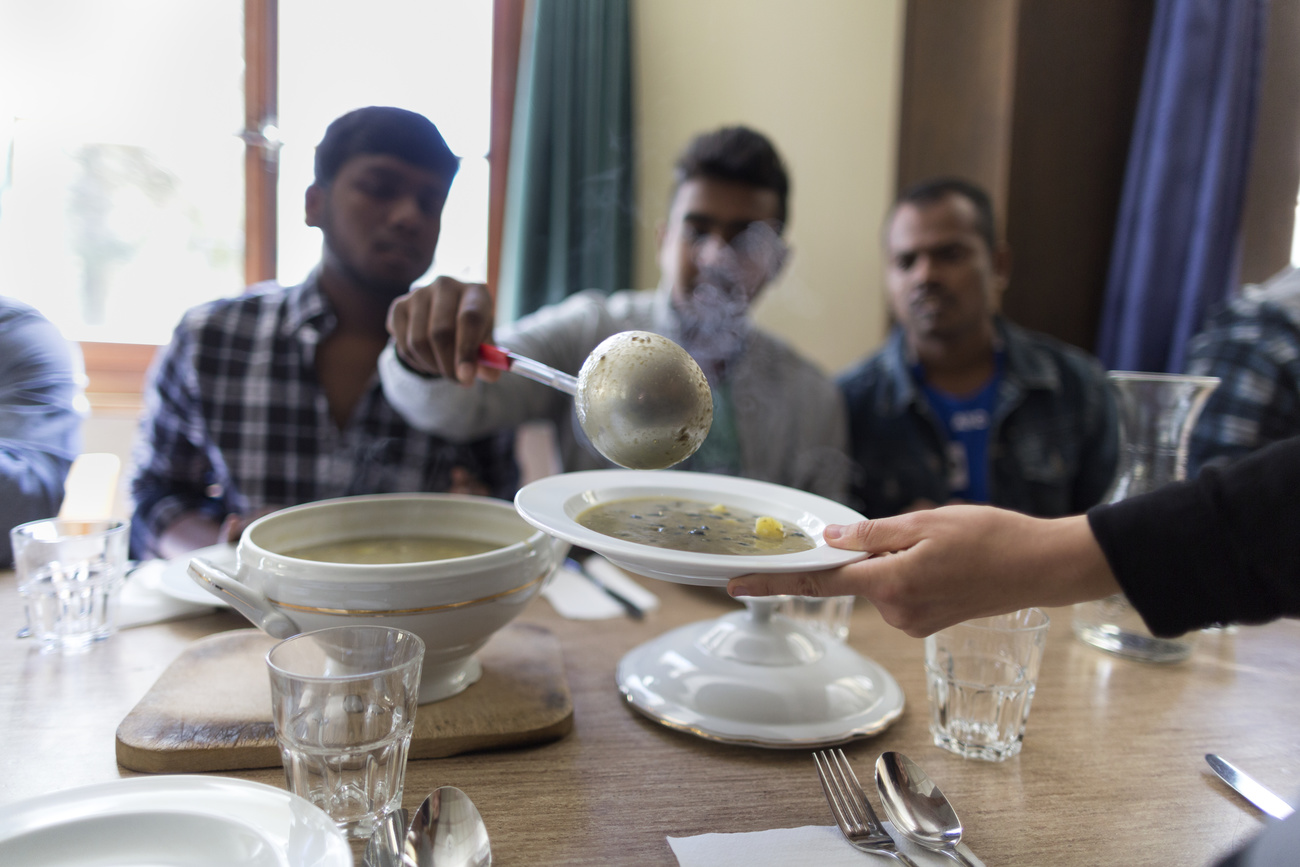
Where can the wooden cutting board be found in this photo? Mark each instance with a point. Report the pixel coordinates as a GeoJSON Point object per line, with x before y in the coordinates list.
{"type": "Point", "coordinates": [211, 709]}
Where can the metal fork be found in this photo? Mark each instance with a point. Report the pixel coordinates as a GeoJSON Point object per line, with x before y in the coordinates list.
{"type": "Point", "coordinates": [852, 810]}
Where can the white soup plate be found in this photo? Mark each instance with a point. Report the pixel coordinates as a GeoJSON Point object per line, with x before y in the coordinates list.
{"type": "Point", "coordinates": [175, 580]}
{"type": "Point", "coordinates": [751, 677]}
{"type": "Point", "coordinates": [554, 503]}
{"type": "Point", "coordinates": [183, 821]}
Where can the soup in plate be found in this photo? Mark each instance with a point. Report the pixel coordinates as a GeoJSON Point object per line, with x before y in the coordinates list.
{"type": "Point", "coordinates": [393, 549]}
{"type": "Point", "coordinates": [691, 525]}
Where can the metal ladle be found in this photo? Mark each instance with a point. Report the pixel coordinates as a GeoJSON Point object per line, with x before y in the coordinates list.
{"type": "Point", "coordinates": [641, 399]}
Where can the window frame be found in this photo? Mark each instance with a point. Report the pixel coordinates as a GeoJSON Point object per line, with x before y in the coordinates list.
{"type": "Point", "coordinates": [116, 371]}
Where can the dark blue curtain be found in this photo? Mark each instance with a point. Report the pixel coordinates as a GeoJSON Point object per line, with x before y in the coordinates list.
{"type": "Point", "coordinates": [1176, 239]}
{"type": "Point", "coordinates": [569, 218]}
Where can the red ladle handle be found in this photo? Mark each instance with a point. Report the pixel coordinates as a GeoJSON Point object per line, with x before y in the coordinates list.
{"type": "Point", "coordinates": [504, 359]}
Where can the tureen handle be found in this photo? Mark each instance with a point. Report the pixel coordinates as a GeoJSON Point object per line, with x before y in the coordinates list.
{"type": "Point", "coordinates": [244, 599]}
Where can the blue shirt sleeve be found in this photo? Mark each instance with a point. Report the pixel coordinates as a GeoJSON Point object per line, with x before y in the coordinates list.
{"type": "Point", "coordinates": [40, 426]}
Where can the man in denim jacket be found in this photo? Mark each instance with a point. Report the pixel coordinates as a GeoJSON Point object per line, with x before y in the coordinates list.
{"type": "Point", "coordinates": [962, 405]}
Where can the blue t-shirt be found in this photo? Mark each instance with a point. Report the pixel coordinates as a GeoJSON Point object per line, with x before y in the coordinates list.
{"type": "Point", "coordinates": [966, 420]}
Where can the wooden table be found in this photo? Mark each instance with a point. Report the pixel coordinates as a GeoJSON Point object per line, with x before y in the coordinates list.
{"type": "Point", "coordinates": [1112, 770]}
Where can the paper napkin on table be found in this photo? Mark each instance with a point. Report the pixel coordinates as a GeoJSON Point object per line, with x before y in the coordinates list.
{"type": "Point", "coordinates": [578, 598]}
{"type": "Point", "coordinates": [824, 846]}
{"type": "Point", "coordinates": [141, 600]}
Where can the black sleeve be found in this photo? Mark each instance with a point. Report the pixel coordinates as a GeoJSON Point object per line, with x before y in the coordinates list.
{"type": "Point", "coordinates": [1222, 548]}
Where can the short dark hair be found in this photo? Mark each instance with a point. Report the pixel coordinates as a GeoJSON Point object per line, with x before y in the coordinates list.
{"type": "Point", "coordinates": [380, 129]}
{"type": "Point", "coordinates": [936, 189]}
{"type": "Point", "coordinates": [737, 154]}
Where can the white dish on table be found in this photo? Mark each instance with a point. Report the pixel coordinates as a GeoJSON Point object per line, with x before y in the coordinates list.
{"type": "Point", "coordinates": [176, 582]}
{"type": "Point", "coordinates": [187, 821]}
{"type": "Point", "coordinates": [454, 604]}
{"type": "Point", "coordinates": [677, 680]}
{"type": "Point", "coordinates": [751, 677]}
{"type": "Point", "coordinates": [553, 503]}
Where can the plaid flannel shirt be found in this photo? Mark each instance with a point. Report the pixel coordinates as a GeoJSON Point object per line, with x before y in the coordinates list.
{"type": "Point", "coordinates": [235, 420]}
{"type": "Point", "coordinates": [1253, 346]}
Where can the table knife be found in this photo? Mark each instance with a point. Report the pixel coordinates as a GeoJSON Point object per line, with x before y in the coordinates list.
{"type": "Point", "coordinates": [635, 611]}
{"type": "Point", "coordinates": [1249, 789]}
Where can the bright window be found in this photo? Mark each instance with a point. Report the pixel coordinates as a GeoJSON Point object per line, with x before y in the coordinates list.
{"type": "Point", "coordinates": [121, 166]}
{"type": "Point", "coordinates": [121, 179]}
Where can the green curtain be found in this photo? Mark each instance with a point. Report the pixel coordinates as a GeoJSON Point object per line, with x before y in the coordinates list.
{"type": "Point", "coordinates": [568, 224]}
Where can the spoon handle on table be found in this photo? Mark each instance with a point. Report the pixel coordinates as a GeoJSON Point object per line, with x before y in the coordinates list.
{"type": "Point", "coordinates": [504, 359]}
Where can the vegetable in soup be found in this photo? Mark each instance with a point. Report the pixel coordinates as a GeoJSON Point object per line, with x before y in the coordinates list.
{"type": "Point", "coordinates": [690, 525]}
{"type": "Point", "coordinates": [393, 549]}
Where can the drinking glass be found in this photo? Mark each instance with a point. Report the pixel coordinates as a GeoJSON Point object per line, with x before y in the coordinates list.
{"type": "Point", "coordinates": [825, 615]}
{"type": "Point", "coordinates": [980, 679]}
{"type": "Point", "coordinates": [343, 700]}
{"type": "Point", "coordinates": [69, 575]}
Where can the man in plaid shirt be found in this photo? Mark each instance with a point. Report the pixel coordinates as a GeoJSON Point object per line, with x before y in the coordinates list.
{"type": "Point", "coordinates": [271, 399]}
{"type": "Point", "coordinates": [1253, 346]}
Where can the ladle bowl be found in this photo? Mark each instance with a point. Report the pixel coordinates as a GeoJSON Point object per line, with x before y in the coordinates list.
{"type": "Point", "coordinates": [641, 399]}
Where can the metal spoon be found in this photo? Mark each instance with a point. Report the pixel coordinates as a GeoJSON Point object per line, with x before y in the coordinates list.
{"type": "Point", "coordinates": [641, 399]}
{"type": "Point", "coordinates": [385, 843]}
{"type": "Point", "coordinates": [916, 806]}
{"type": "Point", "coordinates": [447, 831]}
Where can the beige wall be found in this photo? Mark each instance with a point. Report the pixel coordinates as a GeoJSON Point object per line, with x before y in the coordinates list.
{"type": "Point", "coordinates": [821, 78]}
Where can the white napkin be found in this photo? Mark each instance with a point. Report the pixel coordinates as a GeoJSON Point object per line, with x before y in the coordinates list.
{"type": "Point", "coordinates": [824, 846]}
{"type": "Point", "coordinates": [576, 597]}
{"type": "Point", "coordinates": [141, 600]}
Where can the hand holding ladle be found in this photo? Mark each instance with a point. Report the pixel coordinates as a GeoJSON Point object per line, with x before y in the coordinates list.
{"type": "Point", "coordinates": [641, 399]}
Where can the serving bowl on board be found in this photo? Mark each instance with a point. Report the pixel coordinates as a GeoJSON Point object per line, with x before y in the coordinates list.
{"type": "Point", "coordinates": [455, 605]}
{"type": "Point", "coordinates": [751, 677]}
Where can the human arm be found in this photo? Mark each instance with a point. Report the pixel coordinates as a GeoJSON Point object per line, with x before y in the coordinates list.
{"type": "Point", "coordinates": [180, 498]}
{"type": "Point", "coordinates": [560, 336]}
{"type": "Point", "coordinates": [934, 568]}
{"type": "Point", "coordinates": [189, 531]}
{"type": "Point", "coordinates": [40, 428]}
{"type": "Point", "coordinates": [194, 529]}
{"type": "Point", "coordinates": [1222, 548]}
{"type": "Point", "coordinates": [1219, 548]}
